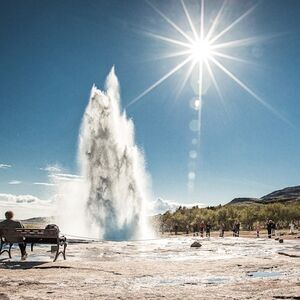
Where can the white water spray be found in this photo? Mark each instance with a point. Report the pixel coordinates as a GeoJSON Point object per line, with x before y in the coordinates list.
{"type": "Point", "coordinates": [113, 189]}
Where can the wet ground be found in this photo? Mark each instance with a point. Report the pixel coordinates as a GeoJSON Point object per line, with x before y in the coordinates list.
{"type": "Point", "coordinates": [229, 268]}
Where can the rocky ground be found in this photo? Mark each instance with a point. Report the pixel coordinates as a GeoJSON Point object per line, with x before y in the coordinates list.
{"type": "Point", "coordinates": [168, 268]}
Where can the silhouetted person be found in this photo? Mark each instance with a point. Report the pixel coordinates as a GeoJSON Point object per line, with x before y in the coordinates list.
{"type": "Point", "coordinates": [237, 228]}
{"type": "Point", "coordinates": [222, 229]}
{"type": "Point", "coordinates": [176, 229]}
{"type": "Point", "coordinates": [273, 228]}
{"type": "Point", "coordinates": [187, 229]}
{"type": "Point", "coordinates": [233, 230]}
{"type": "Point", "coordinates": [270, 228]}
{"type": "Point", "coordinates": [9, 223]}
{"type": "Point", "coordinates": [201, 227]}
{"type": "Point", "coordinates": [208, 229]}
{"type": "Point", "coordinates": [257, 229]}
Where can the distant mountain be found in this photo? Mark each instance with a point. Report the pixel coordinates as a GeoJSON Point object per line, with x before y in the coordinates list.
{"type": "Point", "coordinates": [244, 201]}
{"type": "Point", "coordinates": [38, 220]}
{"type": "Point", "coordinates": [289, 194]}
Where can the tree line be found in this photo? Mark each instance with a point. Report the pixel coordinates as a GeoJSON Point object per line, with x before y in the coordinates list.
{"type": "Point", "coordinates": [248, 216]}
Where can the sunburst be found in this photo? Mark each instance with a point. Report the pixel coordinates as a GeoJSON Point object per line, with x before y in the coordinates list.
{"type": "Point", "coordinates": [203, 50]}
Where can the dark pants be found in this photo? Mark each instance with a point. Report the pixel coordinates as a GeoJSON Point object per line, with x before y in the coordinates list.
{"type": "Point", "coordinates": [269, 233]}
{"type": "Point", "coordinates": [22, 247]}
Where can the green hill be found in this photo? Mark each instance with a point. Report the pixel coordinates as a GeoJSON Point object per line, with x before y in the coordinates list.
{"type": "Point", "coordinates": [288, 194]}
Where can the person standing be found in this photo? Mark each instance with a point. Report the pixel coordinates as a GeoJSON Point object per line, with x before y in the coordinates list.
{"type": "Point", "coordinates": [9, 223]}
{"type": "Point", "coordinates": [292, 227]}
{"type": "Point", "coordinates": [176, 229]}
{"type": "Point", "coordinates": [257, 229]}
{"type": "Point", "coordinates": [208, 229]}
{"type": "Point", "coordinates": [269, 228]}
{"type": "Point", "coordinates": [273, 228]}
{"type": "Point", "coordinates": [237, 228]}
{"type": "Point", "coordinates": [222, 229]}
{"type": "Point", "coordinates": [201, 227]}
{"type": "Point", "coordinates": [234, 230]}
{"type": "Point", "coordinates": [187, 229]}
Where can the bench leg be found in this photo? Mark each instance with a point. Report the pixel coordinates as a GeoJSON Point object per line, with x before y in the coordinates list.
{"type": "Point", "coordinates": [31, 247]}
{"type": "Point", "coordinates": [58, 251]}
{"type": "Point", "coordinates": [64, 252]}
{"type": "Point", "coordinates": [9, 250]}
{"type": "Point", "coordinates": [5, 250]}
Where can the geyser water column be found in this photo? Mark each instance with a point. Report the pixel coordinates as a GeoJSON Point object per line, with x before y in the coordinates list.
{"type": "Point", "coordinates": [112, 168]}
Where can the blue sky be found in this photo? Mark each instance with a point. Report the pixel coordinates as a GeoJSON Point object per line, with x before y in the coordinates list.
{"type": "Point", "coordinates": [51, 52]}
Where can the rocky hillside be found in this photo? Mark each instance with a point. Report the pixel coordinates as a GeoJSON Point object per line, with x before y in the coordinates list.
{"type": "Point", "coordinates": [243, 201]}
{"type": "Point", "coordinates": [289, 194]}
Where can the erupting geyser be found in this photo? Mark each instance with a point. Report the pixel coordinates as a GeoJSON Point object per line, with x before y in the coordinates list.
{"type": "Point", "coordinates": [112, 167]}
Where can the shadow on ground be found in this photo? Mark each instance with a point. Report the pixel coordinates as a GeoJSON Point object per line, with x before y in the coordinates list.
{"type": "Point", "coordinates": [15, 265]}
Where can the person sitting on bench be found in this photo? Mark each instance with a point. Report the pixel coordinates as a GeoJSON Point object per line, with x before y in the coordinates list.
{"type": "Point", "coordinates": [12, 224]}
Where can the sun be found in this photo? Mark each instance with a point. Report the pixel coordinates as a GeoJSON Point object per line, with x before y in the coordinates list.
{"type": "Point", "coordinates": [200, 50]}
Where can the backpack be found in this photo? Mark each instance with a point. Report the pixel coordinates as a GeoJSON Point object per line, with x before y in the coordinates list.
{"type": "Point", "coordinates": [52, 226]}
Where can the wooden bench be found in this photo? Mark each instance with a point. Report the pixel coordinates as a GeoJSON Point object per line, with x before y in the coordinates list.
{"type": "Point", "coordinates": [33, 236]}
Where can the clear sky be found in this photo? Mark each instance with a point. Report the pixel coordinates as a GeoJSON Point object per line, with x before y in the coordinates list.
{"type": "Point", "coordinates": [51, 52]}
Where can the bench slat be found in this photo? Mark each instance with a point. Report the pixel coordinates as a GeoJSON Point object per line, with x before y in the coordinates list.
{"type": "Point", "coordinates": [45, 233]}
{"type": "Point", "coordinates": [23, 234]}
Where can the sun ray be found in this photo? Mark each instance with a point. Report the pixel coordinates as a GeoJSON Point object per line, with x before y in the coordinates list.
{"type": "Point", "coordinates": [158, 82]}
{"type": "Point", "coordinates": [170, 22]}
{"type": "Point", "coordinates": [213, 78]}
{"type": "Point", "coordinates": [248, 90]}
{"type": "Point", "coordinates": [238, 43]}
{"type": "Point", "coordinates": [190, 21]}
{"type": "Point", "coordinates": [186, 78]}
{"type": "Point", "coordinates": [202, 21]}
{"type": "Point", "coordinates": [216, 53]}
{"type": "Point", "coordinates": [170, 55]}
{"type": "Point", "coordinates": [238, 20]}
{"type": "Point", "coordinates": [200, 85]}
{"type": "Point", "coordinates": [167, 39]}
{"type": "Point", "coordinates": [215, 22]}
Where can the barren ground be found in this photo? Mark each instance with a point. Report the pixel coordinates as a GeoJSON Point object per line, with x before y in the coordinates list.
{"type": "Point", "coordinates": [167, 268]}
